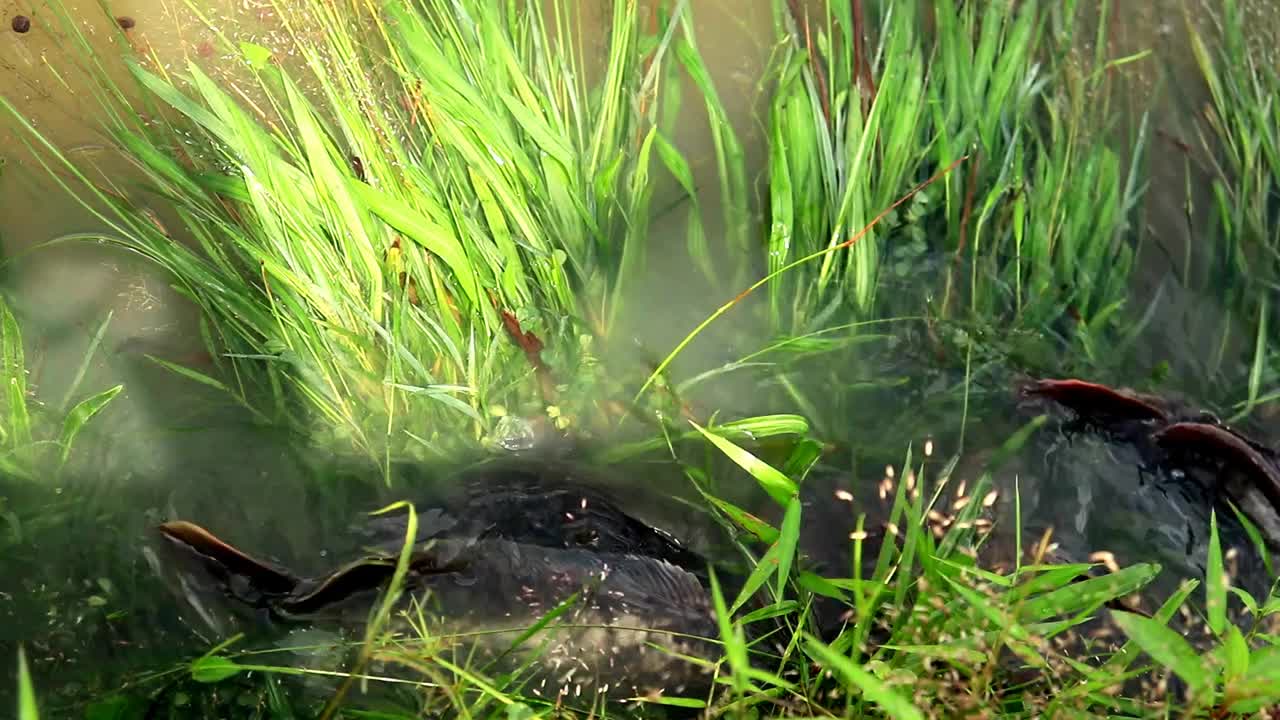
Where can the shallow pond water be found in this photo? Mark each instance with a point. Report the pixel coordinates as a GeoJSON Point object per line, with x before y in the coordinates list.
{"type": "Point", "coordinates": [171, 449]}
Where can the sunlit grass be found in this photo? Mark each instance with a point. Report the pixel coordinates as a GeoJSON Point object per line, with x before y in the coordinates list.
{"type": "Point", "coordinates": [384, 257]}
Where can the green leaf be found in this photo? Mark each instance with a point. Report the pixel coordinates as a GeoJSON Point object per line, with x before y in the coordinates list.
{"type": "Point", "coordinates": [256, 55]}
{"type": "Point", "coordinates": [1263, 675]}
{"type": "Point", "coordinates": [775, 610]}
{"type": "Point", "coordinates": [805, 455]}
{"type": "Point", "coordinates": [1088, 595]}
{"type": "Point", "coordinates": [819, 585]}
{"type": "Point", "coordinates": [1236, 651]}
{"type": "Point", "coordinates": [787, 543]}
{"type": "Point", "coordinates": [80, 415]}
{"type": "Point", "coordinates": [876, 691]}
{"type": "Point", "coordinates": [1166, 646]}
{"type": "Point", "coordinates": [1215, 581]}
{"type": "Point", "coordinates": [417, 227]}
{"type": "Point", "coordinates": [214, 669]}
{"type": "Point", "coordinates": [26, 691]}
{"type": "Point", "coordinates": [188, 373]}
{"type": "Point", "coordinates": [1270, 607]}
{"type": "Point", "coordinates": [759, 574]}
{"type": "Point", "coordinates": [779, 486]}
{"type": "Point", "coordinates": [673, 701]}
{"type": "Point", "coordinates": [752, 524]}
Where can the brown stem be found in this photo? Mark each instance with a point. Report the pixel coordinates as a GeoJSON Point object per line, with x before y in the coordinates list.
{"type": "Point", "coordinates": [801, 20]}
{"type": "Point", "coordinates": [863, 69]}
{"type": "Point", "coordinates": [967, 212]}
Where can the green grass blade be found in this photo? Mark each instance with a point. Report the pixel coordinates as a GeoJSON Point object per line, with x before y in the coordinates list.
{"type": "Point", "coordinates": [26, 691]}
{"type": "Point", "coordinates": [80, 415]}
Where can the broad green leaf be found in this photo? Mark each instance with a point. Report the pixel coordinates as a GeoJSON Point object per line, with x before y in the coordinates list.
{"type": "Point", "coordinates": [417, 227]}
{"type": "Point", "coordinates": [1166, 646]}
{"type": "Point", "coordinates": [819, 585]}
{"type": "Point", "coordinates": [1215, 581]}
{"type": "Point", "coordinates": [734, 644]}
{"type": "Point", "coordinates": [767, 565]}
{"type": "Point", "coordinates": [1236, 653]}
{"type": "Point", "coordinates": [787, 542]}
{"type": "Point", "coordinates": [80, 415]}
{"type": "Point", "coordinates": [1088, 595]}
{"type": "Point", "coordinates": [214, 669]}
{"type": "Point", "coordinates": [26, 690]}
{"type": "Point", "coordinates": [752, 524]}
{"type": "Point", "coordinates": [779, 487]}
{"type": "Point", "coordinates": [256, 55]}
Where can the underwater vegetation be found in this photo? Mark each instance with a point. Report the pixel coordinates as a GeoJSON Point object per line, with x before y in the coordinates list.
{"type": "Point", "coordinates": [420, 235]}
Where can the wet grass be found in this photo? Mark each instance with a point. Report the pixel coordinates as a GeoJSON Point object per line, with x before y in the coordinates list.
{"type": "Point", "coordinates": [393, 261]}
{"type": "Point", "coordinates": [38, 437]}
{"type": "Point", "coordinates": [1240, 137]}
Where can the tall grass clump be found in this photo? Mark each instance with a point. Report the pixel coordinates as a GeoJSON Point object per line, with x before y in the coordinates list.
{"type": "Point", "coordinates": [416, 219]}
{"type": "Point", "coordinates": [1240, 133]}
{"type": "Point", "coordinates": [874, 97]}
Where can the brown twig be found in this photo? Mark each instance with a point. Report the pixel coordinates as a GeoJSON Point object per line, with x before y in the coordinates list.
{"type": "Point", "coordinates": [532, 346]}
{"type": "Point", "coordinates": [967, 212]}
{"type": "Point", "coordinates": [801, 20]}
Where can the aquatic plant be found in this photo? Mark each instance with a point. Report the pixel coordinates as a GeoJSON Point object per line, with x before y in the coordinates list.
{"type": "Point", "coordinates": [26, 693]}
{"type": "Point", "coordinates": [871, 97]}
{"type": "Point", "coordinates": [1239, 261]}
{"type": "Point", "coordinates": [36, 439]}
{"type": "Point", "coordinates": [399, 258]}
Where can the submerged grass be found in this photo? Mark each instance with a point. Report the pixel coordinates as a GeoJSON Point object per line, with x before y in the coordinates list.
{"type": "Point", "coordinates": [1240, 134]}
{"type": "Point", "coordinates": [869, 100]}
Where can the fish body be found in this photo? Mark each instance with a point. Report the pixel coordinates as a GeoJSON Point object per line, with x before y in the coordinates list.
{"type": "Point", "coordinates": [485, 566]}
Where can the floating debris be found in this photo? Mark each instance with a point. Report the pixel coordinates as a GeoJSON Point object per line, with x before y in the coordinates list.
{"type": "Point", "coordinates": [21, 24]}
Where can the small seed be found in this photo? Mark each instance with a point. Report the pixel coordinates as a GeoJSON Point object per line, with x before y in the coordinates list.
{"type": "Point", "coordinates": [1107, 559]}
{"type": "Point", "coordinates": [125, 22]}
{"type": "Point", "coordinates": [21, 23]}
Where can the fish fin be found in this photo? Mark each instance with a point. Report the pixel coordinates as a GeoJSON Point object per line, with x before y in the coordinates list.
{"type": "Point", "coordinates": [367, 574]}
{"type": "Point", "coordinates": [232, 562]}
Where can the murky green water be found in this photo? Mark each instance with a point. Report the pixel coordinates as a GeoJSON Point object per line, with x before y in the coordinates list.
{"type": "Point", "coordinates": [168, 449]}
